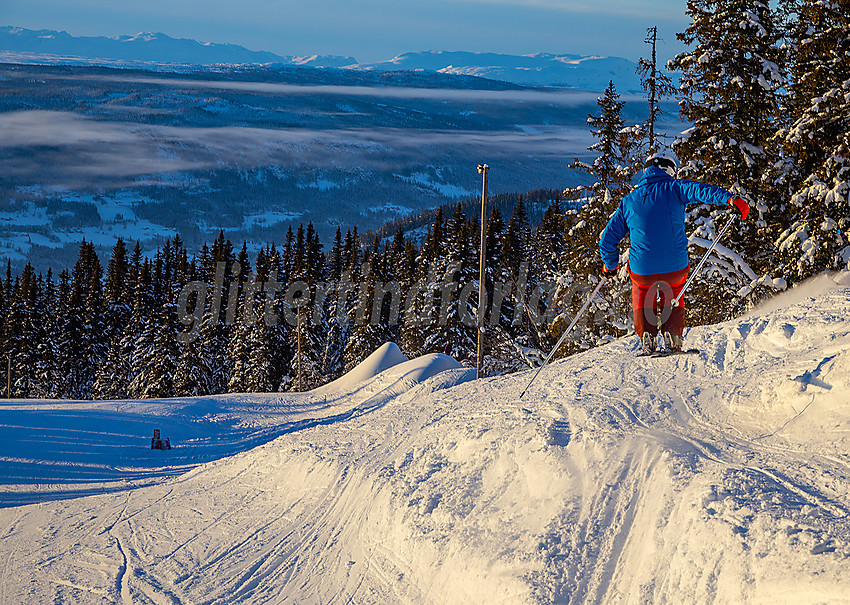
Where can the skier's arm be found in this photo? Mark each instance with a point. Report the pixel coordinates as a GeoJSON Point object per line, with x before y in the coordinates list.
{"type": "Point", "coordinates": [610, 239]}
{"type": "Point", "coordinates": [691, 192]}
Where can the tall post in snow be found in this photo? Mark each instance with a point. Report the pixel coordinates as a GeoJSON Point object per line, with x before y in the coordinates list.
{"type": "Point", "coordinates": [484, 170]}
{"type": "Point", "coordinates": [300, 381]}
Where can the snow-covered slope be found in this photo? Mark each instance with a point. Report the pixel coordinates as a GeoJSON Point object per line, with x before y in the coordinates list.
{"type": "Point", "coordinates": [722, 477]}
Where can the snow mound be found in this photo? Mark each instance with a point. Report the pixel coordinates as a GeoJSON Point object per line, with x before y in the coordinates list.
{"type": "Point", "coordinates": [811, 288]}
{"type": "Point", "coordinates": [425, 367]}
{"type": "Point", "coordinates": [385, 356]}
{"type": "Point", "coordinates": [722, 477]}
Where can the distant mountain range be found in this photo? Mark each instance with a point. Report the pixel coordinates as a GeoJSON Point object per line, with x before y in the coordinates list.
{"type": "Point", "coordinates": [142, 48]}
{"type": "Point", "coordinates": [159, 51]}
{"type": "Point", "coordinates": [540, 69]}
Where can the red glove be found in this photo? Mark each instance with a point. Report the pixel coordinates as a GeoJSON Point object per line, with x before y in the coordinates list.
{"type": "Point", "coordinates": [741, 205]}
{"type": "Point", "coordinates": [609, 273]}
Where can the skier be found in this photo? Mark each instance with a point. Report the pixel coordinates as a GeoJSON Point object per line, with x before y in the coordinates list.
{"type": "Point", "coordinates": [653, 214]}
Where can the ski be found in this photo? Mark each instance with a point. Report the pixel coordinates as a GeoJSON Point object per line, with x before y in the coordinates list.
{"type": "Point", "coordinates": [669, 352]}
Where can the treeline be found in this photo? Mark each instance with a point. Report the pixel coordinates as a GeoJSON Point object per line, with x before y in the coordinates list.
{"type": "Point", "coordinates": [767, 92]}
{"type": "Point", "coordinates": [179, 324]}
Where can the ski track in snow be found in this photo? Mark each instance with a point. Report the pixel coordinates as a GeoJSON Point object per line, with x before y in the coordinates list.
{"type": "Point", "coordinates": [721, 477]}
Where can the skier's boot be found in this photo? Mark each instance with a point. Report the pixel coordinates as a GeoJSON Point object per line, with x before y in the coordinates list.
{"type": "Point", "coordinates": [673, 342]}
{"type": "Point", "coordinates": [647, 343]}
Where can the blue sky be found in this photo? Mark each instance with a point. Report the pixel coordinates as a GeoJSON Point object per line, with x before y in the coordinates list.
{"type": "Point", "coordinates": [372, 30]}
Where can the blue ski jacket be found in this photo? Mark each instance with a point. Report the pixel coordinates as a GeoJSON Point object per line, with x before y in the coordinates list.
{"type": "Point", "coordinates": [654, 214]}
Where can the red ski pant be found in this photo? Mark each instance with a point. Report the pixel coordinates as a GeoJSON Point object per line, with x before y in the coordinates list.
{"type": "Point", "coordinates": [651, 292]}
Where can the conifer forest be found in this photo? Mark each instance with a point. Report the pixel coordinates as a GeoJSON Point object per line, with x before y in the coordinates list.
{"type": "Point", "coordinates": [764, 93]}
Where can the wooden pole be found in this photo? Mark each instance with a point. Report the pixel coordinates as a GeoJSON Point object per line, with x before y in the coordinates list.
{"type": "Point", "coordinates": [9, 378]}
{"type": "Point", "coordinates": [300, 381]}
{"type": "Point", "coordinates": [484, 170]}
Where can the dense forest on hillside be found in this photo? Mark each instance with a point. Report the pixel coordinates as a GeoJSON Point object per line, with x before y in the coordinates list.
{"type": "Point", "coordinates": [767, 92]}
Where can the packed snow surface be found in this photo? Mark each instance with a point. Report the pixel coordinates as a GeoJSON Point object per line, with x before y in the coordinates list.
{"type": "Point", "coordinates": [722, 477]}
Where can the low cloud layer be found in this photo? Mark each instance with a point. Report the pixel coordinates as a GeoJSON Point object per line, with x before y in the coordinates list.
{"type": "Point", "coordinates": [558, 97]}
{"type": "Point", "coordinates": [71, 150]}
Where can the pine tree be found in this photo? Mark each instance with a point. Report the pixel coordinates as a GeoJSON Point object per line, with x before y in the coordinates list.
{"type": "Point", "coordinates": [729, 86]}
{"type": "Point", "coordinates": [455, 293]}
{"type": "Point", "coordinates": [419, 299]}
{"type": "Point", "coordinates": [335, 257]}
{"type": "Point", "coordinates": [368, 331]}
{"type": "Point", "coordinates": [192, 375]}
{"type": "Point", "coordinates": [815, 169]}
{"type": "Point", "coordinates": [657, 85]}
{"type": "Point", "coordinates": [25, 334]}
{"type": "Point", "coordinates": [47, 374]}
{"type": "Point", "coordinates": [82, 342]}
{"type": "Point", "coordinates": [618, 150]}
{"type": "Point", "coordinates": [118, 298]}
{"type": "Point", "coordinates": [157, 356]}
{"type": "Point", "coordinates": [239, 352]}
{"type": "Point", "coordinates": [551, 244]}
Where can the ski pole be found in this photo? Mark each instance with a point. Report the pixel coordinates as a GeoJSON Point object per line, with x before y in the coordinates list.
{"type": "Point", "coordinates": [566, 332]}
{"type": "Point", "coordinates": [702, 261]}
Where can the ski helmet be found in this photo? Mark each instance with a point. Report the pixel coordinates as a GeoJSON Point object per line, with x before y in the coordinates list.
{"type": "Point", "coordinates": [665, 160]}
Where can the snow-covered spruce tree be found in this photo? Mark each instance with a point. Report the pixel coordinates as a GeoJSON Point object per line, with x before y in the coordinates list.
{"type": "Point", "coordinates": [368, 331]}
{"type": "Point", "coordinates": [259, 375]}
{"type": "Point", "coordinates": [137, 335]}
{"type": "Point", "coordinates": [308, 267]}
{"type": "Point", "coordinates": [814, 171]}
{"type": "Point", "coordinates": [48, 354]}
{"type": "Point", "coordinates": [729, 86]}
{"type": "Point", "coordinates": [82, 346]}
{"type": "Point", "coordinates": [24, 334]}
{"type": "Point", "coordinates": [417, 319]}
{"type": "Point", "coordinates": [506, 350]}
{"type": "Point", "coordinates": [249, 353]}
{"type": "Point", "coordinates": [619, 154]}
{"type": "Point", "coordinates": [516, 261]}
{"type": "Point", "coordinates": [191, 376]}
{"type": "Point", "coordinates": [455, 311]}
{"type": "Point", "coordinates": [157, 356]}
{"type": "Point", "coordinates": [238, 351]}
{"type": "Point", "coordinates": [620, 151]}
{"type": "Point", "coordinates": [119, 290]}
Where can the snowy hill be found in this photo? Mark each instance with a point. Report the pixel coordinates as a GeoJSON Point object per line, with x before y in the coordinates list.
{"type": "Point", "coordinates": [722, 477]}
{"type": "Point", "coordinates": [540, 69]}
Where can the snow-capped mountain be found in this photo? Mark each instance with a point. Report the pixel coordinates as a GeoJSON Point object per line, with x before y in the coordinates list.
{"type": "Point", "coordinates": [717, 478]}
{"type": "Point", "coordinates": [540, 69]}
{"type": "Point", "coordinates": [149, 49]}
{"type": "Point", "coordinates": [49, 46]}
